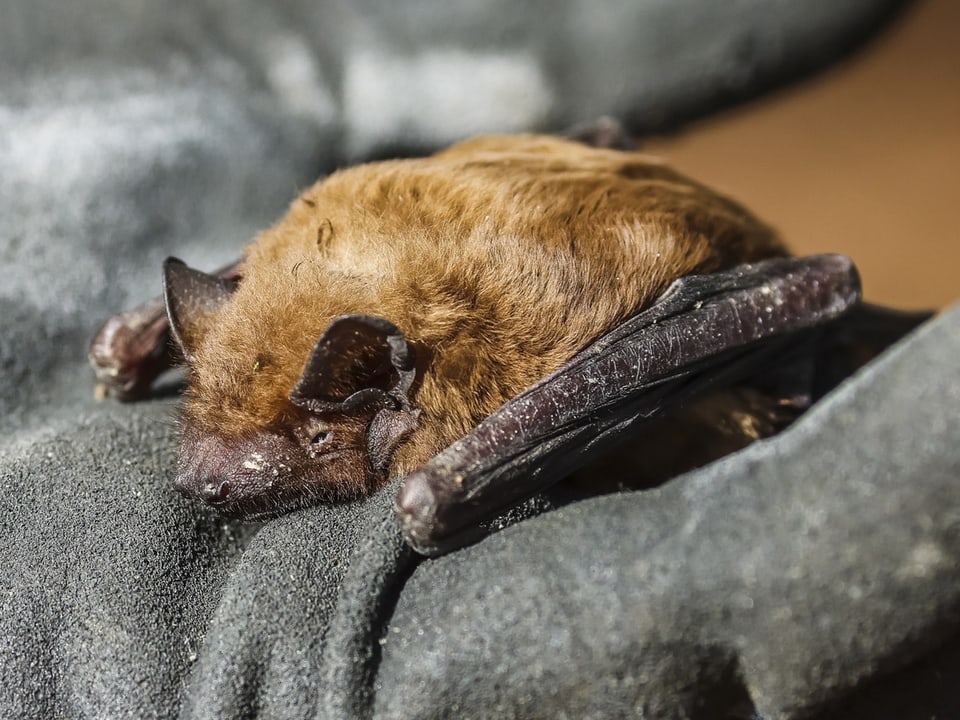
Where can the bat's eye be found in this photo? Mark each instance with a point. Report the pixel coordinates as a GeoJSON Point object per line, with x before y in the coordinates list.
{"type": "Point", "coordinates": [317, 437]}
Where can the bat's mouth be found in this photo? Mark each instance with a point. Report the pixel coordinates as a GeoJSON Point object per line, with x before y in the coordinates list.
{"type": "Point", "coordinates": [236, 512]}
{"type": "Point", "coordinates": [253, 502]}
{"type": "Point", "coordinates": [223, 498]}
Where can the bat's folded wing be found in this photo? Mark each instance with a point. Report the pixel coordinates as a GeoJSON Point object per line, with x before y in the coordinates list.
{"type": "Point", "coordinates": [704, 331]}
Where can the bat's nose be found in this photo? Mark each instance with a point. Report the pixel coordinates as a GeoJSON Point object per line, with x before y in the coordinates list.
{"type": "Point", "coordinates": [205, 470]}
{"type": "Point", "coordinates": [215, 492]}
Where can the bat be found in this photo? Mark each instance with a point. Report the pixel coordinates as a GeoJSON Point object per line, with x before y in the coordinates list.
{"type": "Point", "coordinates": [481, 322]}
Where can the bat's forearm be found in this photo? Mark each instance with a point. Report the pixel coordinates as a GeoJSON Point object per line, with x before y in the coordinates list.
{"type": "Point", "coordinates": [702, 330]}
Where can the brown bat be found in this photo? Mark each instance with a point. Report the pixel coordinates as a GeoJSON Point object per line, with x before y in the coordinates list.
{"type": "Point", "coordinates": [380, 325]}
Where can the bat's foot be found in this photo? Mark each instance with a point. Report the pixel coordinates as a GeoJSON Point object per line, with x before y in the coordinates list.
{"type": "Point", "coordinates": [604, 132]}
{"type": "Point", "coordinates": [721, 423]}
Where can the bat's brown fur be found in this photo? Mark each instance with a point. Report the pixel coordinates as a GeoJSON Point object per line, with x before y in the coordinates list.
{"type": "Point", "coordinates": [498, 259]}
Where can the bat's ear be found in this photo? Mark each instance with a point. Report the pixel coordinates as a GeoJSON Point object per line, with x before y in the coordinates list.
{"type": "Point", "coordinates": [363, 363]}
{"type": "Point", "coordinates": [359, 361]}
{"type": "Point", "coordinates": [192, 298]}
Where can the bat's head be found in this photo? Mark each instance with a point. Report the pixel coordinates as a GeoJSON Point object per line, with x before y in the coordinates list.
{"type": "Point", "coordinates": [258, 440]}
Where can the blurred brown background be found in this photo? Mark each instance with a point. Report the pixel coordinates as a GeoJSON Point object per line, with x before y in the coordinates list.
{"type": "Point", "coordinates": [863, 159]}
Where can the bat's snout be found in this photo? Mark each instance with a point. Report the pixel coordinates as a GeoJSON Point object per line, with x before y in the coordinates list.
{"type": "Point", "coordinates": [209, 471]}
{"type": "Point", "coordinates": [241, 477]}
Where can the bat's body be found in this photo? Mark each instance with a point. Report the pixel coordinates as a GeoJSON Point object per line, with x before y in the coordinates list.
{"type": "Point", "coordinates": [494, 262]}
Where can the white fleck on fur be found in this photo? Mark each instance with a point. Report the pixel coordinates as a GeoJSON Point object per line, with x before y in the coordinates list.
{"type": "Point", "coordinates": [255, 462]}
